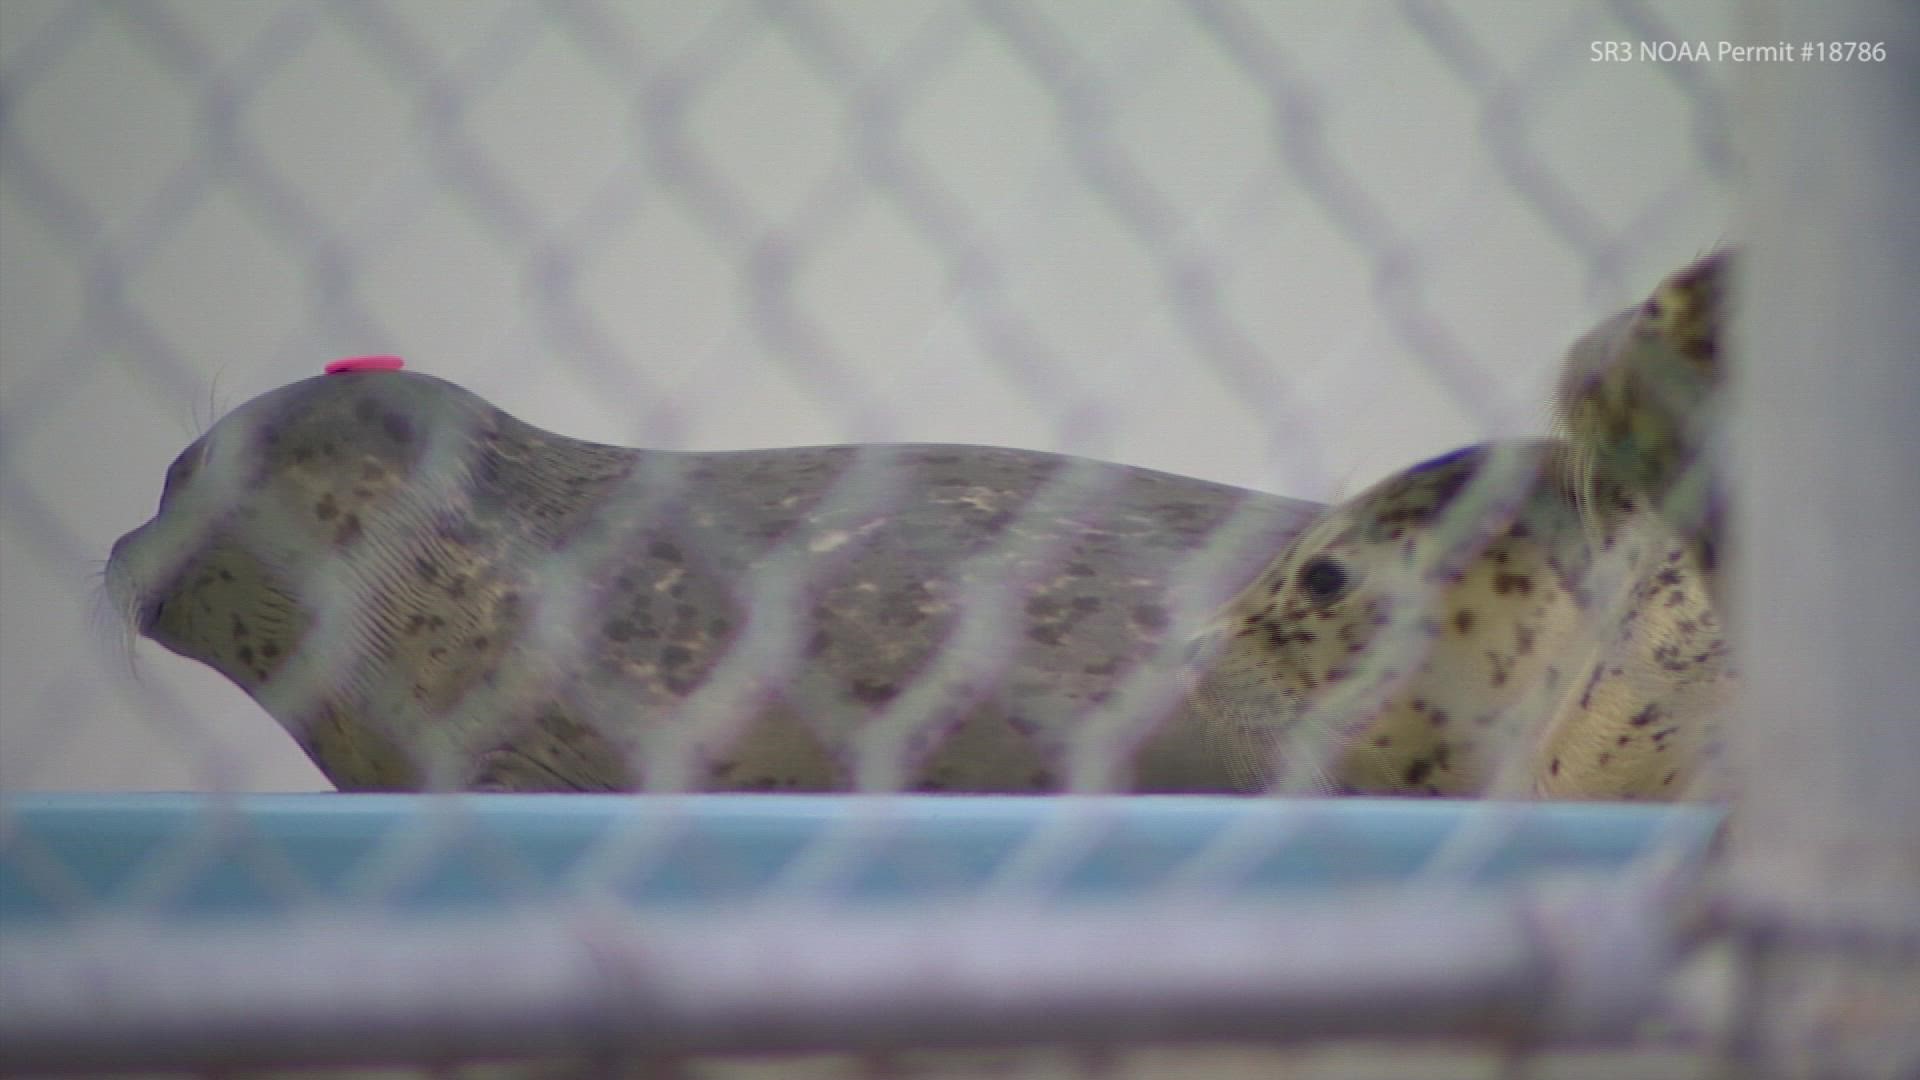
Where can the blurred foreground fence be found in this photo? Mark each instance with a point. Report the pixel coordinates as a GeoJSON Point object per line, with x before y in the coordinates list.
{"type": "Point", "coordinates": [697, 935]}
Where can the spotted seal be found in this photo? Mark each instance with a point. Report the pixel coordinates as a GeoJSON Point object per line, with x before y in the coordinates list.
{"type": "Point", "coordinates": [431, 594]}
{"type": "Point", "coordinates": [1462, 628]}
{"type": "Point", "coordinates": [1639, 398]}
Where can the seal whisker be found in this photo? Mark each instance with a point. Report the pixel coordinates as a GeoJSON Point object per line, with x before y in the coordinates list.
{"type": "Point", "coordinates": [111, 620]}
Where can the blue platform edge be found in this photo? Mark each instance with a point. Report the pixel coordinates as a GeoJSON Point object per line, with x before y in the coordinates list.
{"type": "Point", "coordinates": [70, 857]}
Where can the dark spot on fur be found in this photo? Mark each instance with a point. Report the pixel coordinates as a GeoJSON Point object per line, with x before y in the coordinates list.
{"type": "Point", "coordinates": [1044, 607]}
{"type": "Point", "coordinates": [1045, 635]}
{"type": "Point", "coordinates": [664, 551]}
{"type": "Point", "coordinates": [1463, 621]}
{"type": "Point", "coordinates": [1586, 695]}
{"type": "Point", "coordinates": [1418, 771]}
{"type": "Point", "coordinates": [1504, 583]}
{"type": "Point", "coordinates": [1151, 617]}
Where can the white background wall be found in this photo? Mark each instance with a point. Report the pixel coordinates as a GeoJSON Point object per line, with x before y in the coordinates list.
{"type": "Point", "coordinates": [402, 177]}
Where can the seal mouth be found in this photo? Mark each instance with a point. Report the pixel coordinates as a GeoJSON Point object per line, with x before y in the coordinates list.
{"type": "Point", "coordinates": [140, 603]}
{"type": "Point", "coordinates": [147, 611]}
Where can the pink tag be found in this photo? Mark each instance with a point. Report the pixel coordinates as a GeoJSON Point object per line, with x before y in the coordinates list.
{"type": "Point", "coordinates": [365, 363]}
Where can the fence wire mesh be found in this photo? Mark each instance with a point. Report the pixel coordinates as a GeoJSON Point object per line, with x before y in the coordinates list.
{"type": "Point", "coordinates": [1184, 254]}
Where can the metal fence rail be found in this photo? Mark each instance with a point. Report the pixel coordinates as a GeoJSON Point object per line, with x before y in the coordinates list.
{"type": "Point", "coordinates": [1831, 337]}
{"type": "Point", "coordinates": [1495, 967]}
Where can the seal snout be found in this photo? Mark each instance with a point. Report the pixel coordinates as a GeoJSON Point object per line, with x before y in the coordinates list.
{"type": "Point", "coordinates": [140, 607]}
{"type": "Point", "coordinates": [147, 611]}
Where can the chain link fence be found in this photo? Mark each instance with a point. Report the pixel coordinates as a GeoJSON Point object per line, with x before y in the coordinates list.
{"type": "Point", "coordinates": [1279, 248]}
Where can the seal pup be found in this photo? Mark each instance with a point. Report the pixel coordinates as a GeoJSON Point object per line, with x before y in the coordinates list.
{"type": "Point", "coordinates": [1640, 399]}
{"type": "Point", "coordinates": [430, 594]}
{"type": "Point", "coordinates": [1462, 628]}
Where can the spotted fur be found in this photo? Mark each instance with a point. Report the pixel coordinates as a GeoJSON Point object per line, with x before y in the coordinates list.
{"type": "Point", "coordinates": [429, 593]}
{"type": "Point", "coordinates": [1460, 629]}
{"type": "Point", "coordinates": [1639, 400]}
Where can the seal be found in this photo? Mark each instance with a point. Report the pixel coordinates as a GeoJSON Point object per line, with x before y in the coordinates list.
{"type": "Point", "coordinates": [1639, 398]}
{"type": "Point", "coordinates": [1462, 628]}
{"type": "Point", "coordinates": [430, 594]}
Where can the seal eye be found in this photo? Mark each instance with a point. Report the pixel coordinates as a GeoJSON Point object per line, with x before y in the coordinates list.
{"type": "Point", "coordinates": [1322, 579]}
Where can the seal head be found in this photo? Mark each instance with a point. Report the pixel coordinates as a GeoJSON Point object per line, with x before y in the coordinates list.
{"type": "Point", "coordinates": [1459, 629]}
{"type": "Point", "coordinates": [1639, 399]}
{"type": "Point", "coordinates": [1388, 650]}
